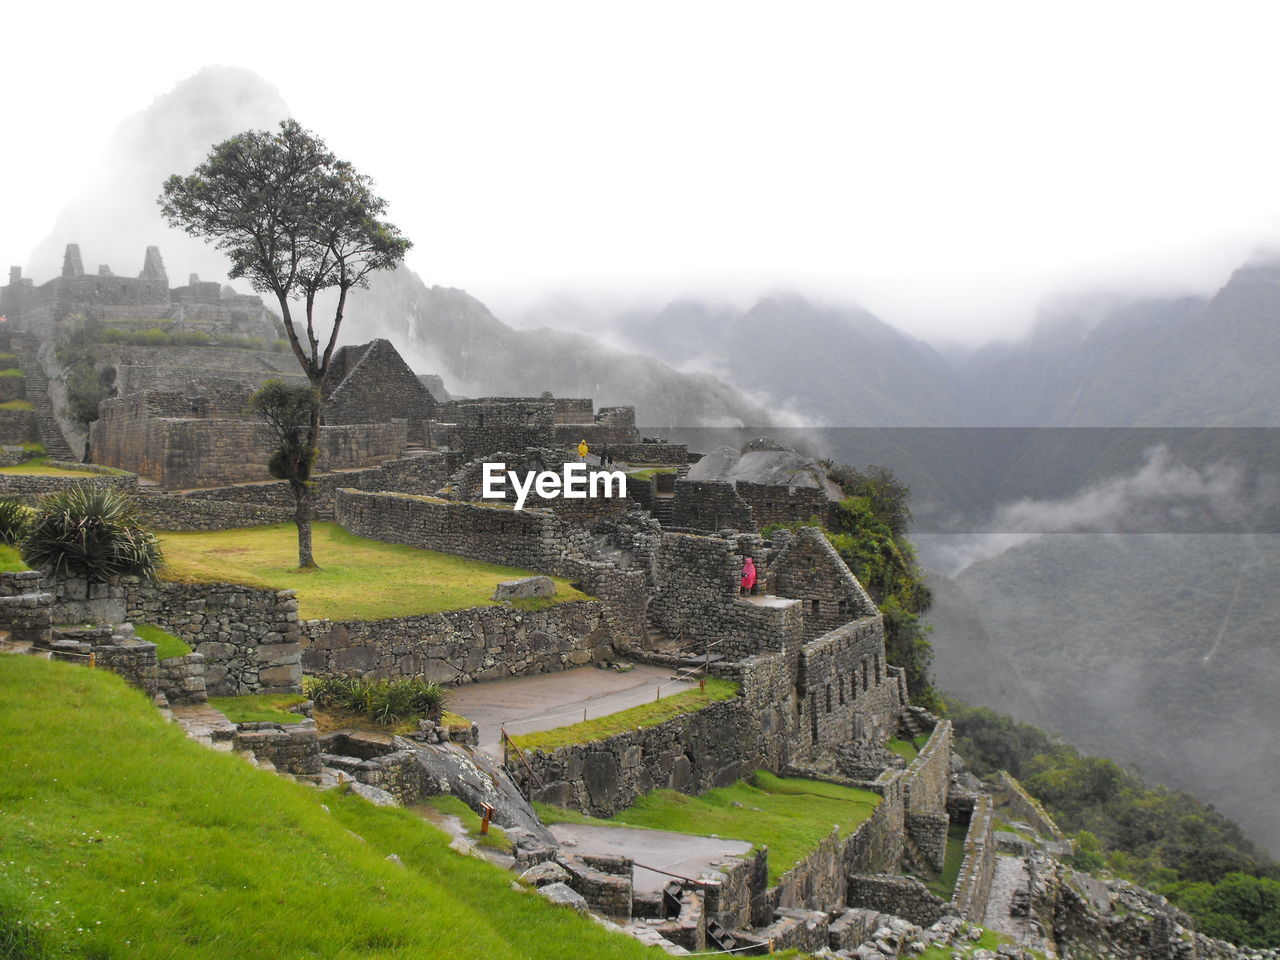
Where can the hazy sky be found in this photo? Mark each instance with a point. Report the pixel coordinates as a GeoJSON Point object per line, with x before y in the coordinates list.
{"type": "Point", "coordinates": [946, 165]}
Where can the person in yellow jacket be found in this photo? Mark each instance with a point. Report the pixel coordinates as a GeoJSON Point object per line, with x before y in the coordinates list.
{"type": "Point", "coordinates": [582, 449]}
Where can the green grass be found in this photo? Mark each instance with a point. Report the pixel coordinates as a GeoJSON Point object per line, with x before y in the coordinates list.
{"type": "Point", "coordinates": [645, 715]}
{"type": "Point", "coordinates": [167, 645]}
{"type": "Point", "coordinates": [789, 816]}
{"type": "Point", "coordinates": [358, 579]}
{"type": "Point", "coordinates": [8, 359]}
{"type": "Point", "coordinates": [650, 473]}
{"type": "Point", "coordinates": [495, 839]}
{"type": "Point", "coordinates": [990, 940]}
{"type": "Point", "coordinates": [39, 466]}
{"type": "Point", "coordinates": [11, 560]}
{"type": "Point", "coordinates": [903, 748]}
{"type": "Point", "coordinates": [135, 842]}
{"type": "Point", "coordinates": [11, 372]}
{"type": "Point", "coordinates": [944, 884]}
{"type": "Point", "coordinates": [260, 707]}
{"type": "Point", "coordinates": [16, 405]}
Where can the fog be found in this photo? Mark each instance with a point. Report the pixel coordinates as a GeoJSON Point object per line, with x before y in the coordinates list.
{"type": "Point", "coordinates": [946, 168]}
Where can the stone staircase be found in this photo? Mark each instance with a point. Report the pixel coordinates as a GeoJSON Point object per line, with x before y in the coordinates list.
{"type": "Point", "coordinates": [37, 386]}
{"type": "Point", "coordinates": [664, 509]}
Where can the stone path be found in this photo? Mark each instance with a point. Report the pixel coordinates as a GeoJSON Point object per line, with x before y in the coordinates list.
{"type": "Point", "coordinates": [1011, 877]}
{"type": "Point", "coordinates": [205, 725]}
{"type": "Point", "coordinates": [37, 388]}
{"type": "Point", "coordinates": [679, 853]}
{"type": "Point", "coordinates": [548, 700]}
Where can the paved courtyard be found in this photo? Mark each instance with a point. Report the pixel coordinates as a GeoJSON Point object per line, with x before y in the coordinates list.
{"type": "Point", "coordinates": [547, 700]}
{"type": "Point", "coordinates": [678, 853]}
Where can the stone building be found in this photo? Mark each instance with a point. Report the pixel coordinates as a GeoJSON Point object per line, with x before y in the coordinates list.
{"type": "Point", "coordinates": [204, 306]}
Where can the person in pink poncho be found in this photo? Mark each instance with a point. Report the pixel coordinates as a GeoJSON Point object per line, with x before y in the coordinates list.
{"type": "Point", "coordinates": [748, 575]}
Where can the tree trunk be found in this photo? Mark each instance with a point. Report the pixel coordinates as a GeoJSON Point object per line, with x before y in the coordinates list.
{"type": "Point", "coordinates": [302, 491]}
{"type": "Point", "coordinates": [302, 518]}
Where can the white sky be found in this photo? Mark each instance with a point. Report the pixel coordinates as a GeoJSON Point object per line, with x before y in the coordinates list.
{"type": "Point", "coordinates": [946, 165]}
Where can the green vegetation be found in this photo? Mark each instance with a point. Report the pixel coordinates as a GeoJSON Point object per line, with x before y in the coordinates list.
{"type": "Point", "coordinates": [903, 748]}
{"type": "Point", "coordinates": [16, 405]}
{"type": "Point", "coordinates": [260, 707]}
{"type": "Point", "coordinates": [495, 839]}
{"type": "Point", "coordinates": [789, 816]}
{"type": "Point", "coordinates": [11, 372]}
{"type": "Point", "coordinates": [649, 473]}
{"type": "Point", "coordinates": [136, 843]}
{"type": "Point", "coordinates": [40, 467]}
{"type": "Point", "coordinates": [11, 560]}
{"type": "Point", "coordinates": [365, 579]}
{"type": "Point", "coordinates": [990, 941]}
{"type": "Point", "coordinates": [944, 884]}
{"type": "Point", "coordinates": [8, 360]}
{"type": "Point", "coordinates": [167, 645]}
{"type": "Point", "coordinates": [156, 337]}
{"type": "Point", "coordinates": [14, 519]}
{"type": "Point", "coordinates": [868, 528]}
{"type": "Point", "coordinates": [1161, 838]}
{"type": "Point", "coordinates": [645, 715]}
{"type": "Point", "coordinates": [91, 532]}
{"type": "Point", "coordinates": [385, 701]}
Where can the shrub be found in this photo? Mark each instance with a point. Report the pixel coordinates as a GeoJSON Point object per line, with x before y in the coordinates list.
{"type": "Point", "coordinates": [384, 701]}
{"type": "Point", "coordinates": [89, 531]}
{"type": "Point", "coordinates": [14, 518]}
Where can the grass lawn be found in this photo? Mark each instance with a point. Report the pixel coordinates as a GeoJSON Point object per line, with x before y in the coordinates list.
{"type": "Point", "coordinates": [645, 715]}
{"type": "Point", "coordinates": [167, 645]}
{"type": "Point", "coordinates": [650, 473]}
{"type": "Point", "coordinates": [944, 884]}
{"type": "Point", "coordinates": [788, 815]}
{"type": "Point", "coordinates": [260, 707]}
{"type": "Point", "coordinates": [903, 748]}
{"type": "Point", "coordinates": [138, 843]}
{"type": "Point", "coordinates": [358, 579]}
{"type": "Point", "coordinates": [495, 839]}
{"type": "Point", "coordinates": [16, 405]}
{"type": "Point", "coordinates": [11, 560]}
{"type": "Point", "coordinates": [11, 372]}
{"type": "Point", "coordinates": [40, 467]}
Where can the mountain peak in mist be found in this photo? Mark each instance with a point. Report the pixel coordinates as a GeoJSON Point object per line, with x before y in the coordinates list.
{"type": "Point", "coordinates": [114, 215]}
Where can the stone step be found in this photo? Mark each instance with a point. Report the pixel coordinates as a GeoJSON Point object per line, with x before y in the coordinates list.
{"type": "Point", "coordinates": [37, 389]}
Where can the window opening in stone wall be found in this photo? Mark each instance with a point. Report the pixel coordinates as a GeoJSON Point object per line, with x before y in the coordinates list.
{"type": "Point", "coordinates": [877, 663]}
{"type": "Point", "coordinates": [840, 686]}
{"type": "Point", "coordinates": [828, 698]}
{"type": "Point", "coordinates": [865, 671]}
{"type": "Point", "coordinates": [815, 606]}
{"type": "Point", "coordinates": [843, 607]}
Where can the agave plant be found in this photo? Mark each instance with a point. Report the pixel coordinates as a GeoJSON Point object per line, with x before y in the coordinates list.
{"type": "Point", "coordinates": [90, 531]}
{"type": "Point", "coordinates": [14, 518]}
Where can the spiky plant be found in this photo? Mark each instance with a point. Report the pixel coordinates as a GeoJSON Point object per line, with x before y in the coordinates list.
{"type": "Point", "coordinates": [90, 531]}
{"type": "Point", "coordinates": [14, 518]}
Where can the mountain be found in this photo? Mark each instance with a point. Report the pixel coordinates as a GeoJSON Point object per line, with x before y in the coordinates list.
{"type": "Point", "coordinates": [114, 216]}
{"type": "Point", "coordinates": [448, 331]}
{"type": "Point", "coordinates": [1156, 650]}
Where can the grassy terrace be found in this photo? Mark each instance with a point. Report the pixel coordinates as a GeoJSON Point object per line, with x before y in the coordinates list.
{"type": "Point", "coordinates": [40, 467]}
{"type": "Point", "coordinates": [167, 645]}
{"type": "Point", "coordinates": [645, 715]}
{"type": "Point", "coordinates": [260, 707]}
{"type": "Point", "coordinates": [16, 405]}
{"type": "Point", "coordinates": [10, 560]}
{"type": "Point", "coordinates": [787, 815]}
{"type": "Point", "coordinates": [358, 579]}
{"type": "Point", "coordinates": [135, 842]}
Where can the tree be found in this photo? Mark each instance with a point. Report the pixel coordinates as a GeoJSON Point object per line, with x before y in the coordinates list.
{"type": "Point", "coordinates": [296, 222]}
{"type": "Point", "coordinates": [288, 408]}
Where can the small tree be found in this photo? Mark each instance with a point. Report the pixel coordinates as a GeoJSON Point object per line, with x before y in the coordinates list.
{"type": "Point", "coordinates": [288, 408]}
{"type": "Point", "coordinates": [295, 221]}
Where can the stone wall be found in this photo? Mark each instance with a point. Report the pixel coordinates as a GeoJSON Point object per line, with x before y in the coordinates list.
{"type": "Point", "coordinates": [1022, 806]}
{"type": "Point", "coordinates": [502, 423]}
{"type": "Point", "coordinates": [806, 567]}
{"type": "Point", "coordinates": [710, 505]}
{"type": "Point", "coordinates": [900, 896]}
{"type": "Point", "coordinates": [192, 513]}
{"type": "Point", "coordinates": [292, 748]}
{"type": "Point", "coordinates": [664, 453]}
{"type": "Point", "coordinates": [248, 637]}
{"type": "Point", "coordinates": [772, 503]}
{"type": "Point", "coordinates": [26, 611]}
{"type": "Point", "coordinates": [30, 487]}
{"type": "Point", "coordinates": [461, 646]}
{"type": "Point", "coordinates": [181, 679]}
{"type": "Point", "coordinates": [182, 452]}
{"type": "Point", "coordinates": [973, 885]}
{"type": "Point", "coordinates": [928, 777]}
{"type": "Point", "coordinates": [377, 386]}
{"type": "Point", "coordinates": [846, 693]}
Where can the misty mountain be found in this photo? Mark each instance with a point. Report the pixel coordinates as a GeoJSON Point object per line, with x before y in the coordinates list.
{"type": "Point", "coordinates": [449, 332]}
{"type": "Point", "coordinates": [1156, 650]}
{"type": "Point", "coordinates": [1188, 361]}
{"type": "Point", "coordinates": [114, 216]}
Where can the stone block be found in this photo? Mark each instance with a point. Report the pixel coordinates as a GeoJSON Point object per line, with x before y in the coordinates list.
{"type": "Point", "coordinates": [525, 587]}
